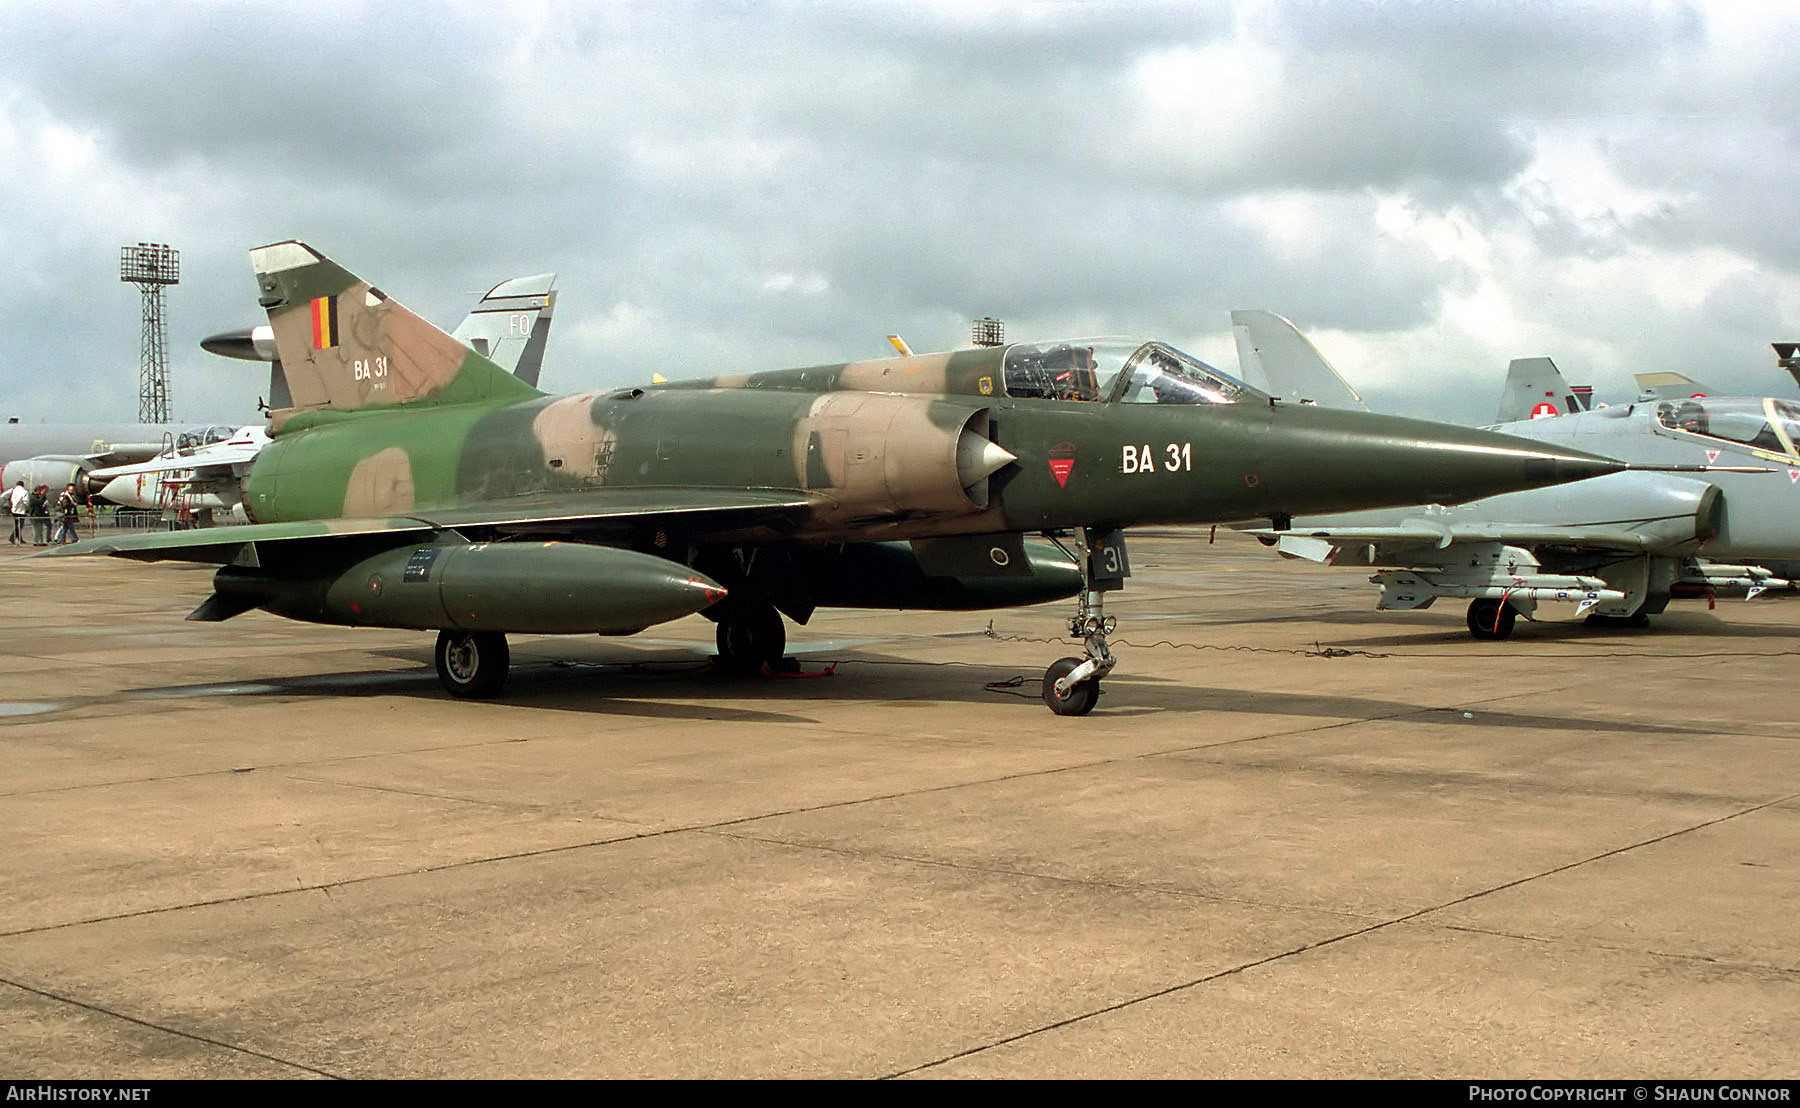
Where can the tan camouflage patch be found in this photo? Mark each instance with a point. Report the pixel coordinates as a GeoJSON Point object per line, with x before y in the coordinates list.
{"type": "Point", "coordinates": [422, 359]}
{"type": "Point", "coordinates": [881, 454]}
{"type": "Point", "coordinates": [924, 373]}
{"type": "Point", "coordinates": [383, 354]}
{"type": "Point", "coordinates": [570, 440]}
{"type": "Point", "coordinates": [380, 484]}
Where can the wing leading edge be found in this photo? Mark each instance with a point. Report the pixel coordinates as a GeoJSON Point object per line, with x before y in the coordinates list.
{"type": "Point", "coordinates": [578, 514]}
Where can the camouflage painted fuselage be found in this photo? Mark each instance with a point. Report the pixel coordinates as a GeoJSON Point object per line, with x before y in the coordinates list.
{"type": "Point", "coordinates": [883, 463]}
{"type": "Point", "coordinates": [392, 416]}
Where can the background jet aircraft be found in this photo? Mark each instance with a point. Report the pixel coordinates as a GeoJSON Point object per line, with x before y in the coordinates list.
{"type": "Point", "coordinates": [58, 454]}
{"type": "Point", "coordinates": [1618, 547]}
{"type": "Point", "coordinates": [413, 483]}
{"type": "Point", "coordinates": [199, 479]}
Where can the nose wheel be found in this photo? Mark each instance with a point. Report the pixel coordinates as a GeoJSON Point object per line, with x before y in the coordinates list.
{"type": "Point", "coordinates": [1067, 699]}
{"type": "Point", "coordinates": [1072, 685]}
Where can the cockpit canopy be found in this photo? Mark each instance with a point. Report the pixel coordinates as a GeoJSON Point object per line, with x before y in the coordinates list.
{"type": "Point", "coordinates": [1118, 371]}
{"type": "Point", "coordinates": [1761, 423]}
{"type": "Point", "coordinates": [197, 437]}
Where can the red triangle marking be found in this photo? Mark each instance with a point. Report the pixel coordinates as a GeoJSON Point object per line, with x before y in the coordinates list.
{"type": "Point", "coordinates": [1060, 468]}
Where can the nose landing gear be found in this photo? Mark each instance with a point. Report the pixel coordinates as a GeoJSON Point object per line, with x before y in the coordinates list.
{"type": "Point", "coordinates": [1072, 685]}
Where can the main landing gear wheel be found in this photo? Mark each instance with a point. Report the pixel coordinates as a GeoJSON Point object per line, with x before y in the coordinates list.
{"type": "Point", "coordinates": [1492, 619]}
{"type": "Point", "coordinates": [749, 639]}
{"type": "Point", "coordinates": [472, 664]}
{"type": "Point", "coordinates": [1081, 697]}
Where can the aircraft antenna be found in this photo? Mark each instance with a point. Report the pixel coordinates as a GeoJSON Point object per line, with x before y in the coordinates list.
{"type": "Point", "coordinates": [989, 332]}
{"type": "Point", "coordinates": [152, 266]}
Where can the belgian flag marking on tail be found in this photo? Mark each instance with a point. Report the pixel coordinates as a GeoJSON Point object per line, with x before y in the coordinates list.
{"type": "Point", "coordinates": [324, 322]}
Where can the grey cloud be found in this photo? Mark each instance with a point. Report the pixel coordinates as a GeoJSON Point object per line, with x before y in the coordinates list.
{"type": "Point", "coordinates": [1732, 183]}
{"type": "Point", "coordinates": [1485, 35]}
{"type": "Point", "coordinates": [1746, 302]}
{"type": "Point", "coordinates": [270, 90]}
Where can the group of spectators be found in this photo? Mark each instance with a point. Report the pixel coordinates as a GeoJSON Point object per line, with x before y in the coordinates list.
{"type": "Point", "coordinates": [35, 505]}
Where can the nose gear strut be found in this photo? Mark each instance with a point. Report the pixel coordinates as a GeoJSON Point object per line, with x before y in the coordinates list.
{"type": "Point", "coordinates": [1072, 685]}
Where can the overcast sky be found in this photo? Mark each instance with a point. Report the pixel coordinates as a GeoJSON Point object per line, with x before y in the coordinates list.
{"type": "Point", "coordinates": [1426, 188]}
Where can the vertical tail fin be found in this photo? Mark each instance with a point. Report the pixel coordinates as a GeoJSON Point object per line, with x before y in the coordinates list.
{"type": "Point", "coordinates": [1535, 388]}
{"type": "Point", "coordinates": [1669, 386]}
{"type": "Point", "coordinates": [1787, 356]}
{"type": "Point", "coordinates": [511, 325]}
{"type": "Point", "coordinates": [345, 346]}
{"type": "Point", "coordinates": [1274, 356]}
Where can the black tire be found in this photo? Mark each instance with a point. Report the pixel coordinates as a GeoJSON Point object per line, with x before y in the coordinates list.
{"type": "Point", "coordinates": [1081, 698]}
{"type": "Point", "coordinates": [472, 665]}
{"type": "Point", "coordinates": [749, 639]}
{"type": "Point", "coordinates": [1492, 619]}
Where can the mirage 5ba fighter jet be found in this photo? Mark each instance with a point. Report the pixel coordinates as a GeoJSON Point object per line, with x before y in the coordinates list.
{"type": "Point", "coordinates": [415, 484]}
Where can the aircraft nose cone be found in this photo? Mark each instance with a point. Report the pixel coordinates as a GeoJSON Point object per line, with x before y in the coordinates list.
{"type": "Point", "coordinates": [119, 490]}
{"type": "Point", "coordinates": [1387, 461]}
{"type": "Point", "coordinates": [253, 344]}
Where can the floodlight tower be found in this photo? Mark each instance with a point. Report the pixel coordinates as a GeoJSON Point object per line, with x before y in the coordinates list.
{"type": "Point", "coordinates": [988, 332]}
{"type": "Point", "coordinates": [152, 266]}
